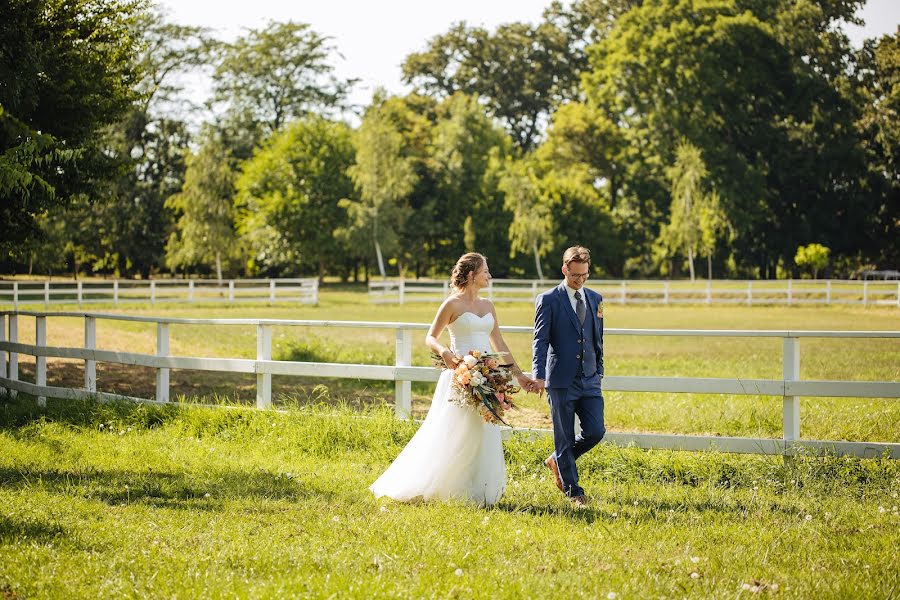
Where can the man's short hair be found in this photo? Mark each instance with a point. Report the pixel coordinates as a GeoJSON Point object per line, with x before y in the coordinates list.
{"type": "Point", "coordinates": [578, 254]}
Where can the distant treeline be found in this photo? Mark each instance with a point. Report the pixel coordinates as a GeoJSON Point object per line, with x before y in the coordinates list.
{"type": "Point", "coordinates": [669, 136]}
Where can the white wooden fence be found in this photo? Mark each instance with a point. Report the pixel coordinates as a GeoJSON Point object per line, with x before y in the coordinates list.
{"type": "Point", "coordinates": [16, 293]}
{"type": "Point", "coordinates": [790, 292]}
{"type": "Point", "coordinates": [790, 387]}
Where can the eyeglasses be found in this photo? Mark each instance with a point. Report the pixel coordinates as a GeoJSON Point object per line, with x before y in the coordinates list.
{"type": "Point", "coordinates": [579, 275]}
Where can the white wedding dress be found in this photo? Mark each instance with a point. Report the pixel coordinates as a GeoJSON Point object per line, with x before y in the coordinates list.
{"type": "Point", "coordinates": [454, 454]}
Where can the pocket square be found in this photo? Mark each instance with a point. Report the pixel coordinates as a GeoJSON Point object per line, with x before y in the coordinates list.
{"type": "Point", "coordinates": [600, 310]}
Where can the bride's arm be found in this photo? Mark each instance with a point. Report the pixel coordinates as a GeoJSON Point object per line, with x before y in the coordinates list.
{"type": "Point", "coordinates": [443, 318]}
{"type": "Point", "coordinates": [499, 345]}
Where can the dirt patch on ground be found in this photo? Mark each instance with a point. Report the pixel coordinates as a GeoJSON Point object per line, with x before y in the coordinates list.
{"type": "Point", "coordinates": [240, 388]}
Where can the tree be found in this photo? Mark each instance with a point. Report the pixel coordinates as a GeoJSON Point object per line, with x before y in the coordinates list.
{"type": "Point", "coordinates": [878, 76]}
{"type": "Point", "coordinates": [532, 228]}
{"type": "Point", "coordinates": [814, 256]}
{"type": "Point", "coordinates": [714, 225]}
{"type": "Point", "coordinates": [271, 76]}
{"type": "Point", "coordinates": [205, 232]}
{"type": "Point", "coordinates": [520, 71]}
{"type": "Point", "coordinates": [69, 73]}
{"type": "Point", "coordinates": [289, 194]}
{"type": "Point", "coordinates": [385, 177]}
{"type": "Point", "coordinates": [693, 211]}
{"type": "Point", "coordinates": [759, 87]}
{"type": "Point", "coordinates": [464, 147]}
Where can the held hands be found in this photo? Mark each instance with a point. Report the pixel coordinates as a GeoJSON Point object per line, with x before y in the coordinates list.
{"type": "Point", "coordinates": [537, 387]}
{"type": "Point", "coordinates": [534, 386]}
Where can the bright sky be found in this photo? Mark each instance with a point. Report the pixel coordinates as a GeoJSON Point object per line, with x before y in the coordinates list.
{"type": "Point", "coordinates": [374, 37]}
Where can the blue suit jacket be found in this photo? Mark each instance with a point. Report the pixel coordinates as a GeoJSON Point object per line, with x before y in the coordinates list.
{"type": "Point", "coordinates": [556, 335]}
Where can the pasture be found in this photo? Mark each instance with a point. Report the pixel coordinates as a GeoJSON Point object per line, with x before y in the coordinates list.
{"type": "Point", "coordinates": [146, 501]}
{"type": "Point", "coordinates": [824, 418]}
{"type": "Point", "coordinates": [183, 500]}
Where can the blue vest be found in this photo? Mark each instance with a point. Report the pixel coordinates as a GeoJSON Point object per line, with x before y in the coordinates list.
{"type": "Point", "coordinates": [588, 354]}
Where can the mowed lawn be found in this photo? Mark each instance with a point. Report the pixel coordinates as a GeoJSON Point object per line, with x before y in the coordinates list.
{"type": "Point", "coordinates": [144, 501]}
{"type": "Point", "coordinates": [823, 418]}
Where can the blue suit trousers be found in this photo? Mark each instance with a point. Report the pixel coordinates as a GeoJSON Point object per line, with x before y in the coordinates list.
{"type": "Point", "coordinates": [584, 398]}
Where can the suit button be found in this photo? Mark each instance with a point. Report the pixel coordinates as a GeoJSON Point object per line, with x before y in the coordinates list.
{"type": "Point", "coordinates": [578, 356]}
{"type": "Point", "coordinates": [580, 341]}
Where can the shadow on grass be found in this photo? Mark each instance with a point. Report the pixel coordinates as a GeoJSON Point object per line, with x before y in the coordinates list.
{"type": "Point", "coordinates": [165, 489]}
{"type": "Point", "coordinates": [12, 530]}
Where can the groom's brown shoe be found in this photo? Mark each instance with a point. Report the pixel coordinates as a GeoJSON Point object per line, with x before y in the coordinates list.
{"type": "Point", "coordinates": [554, 468]}
{"type": "Point", "coordinates": [579, 501]}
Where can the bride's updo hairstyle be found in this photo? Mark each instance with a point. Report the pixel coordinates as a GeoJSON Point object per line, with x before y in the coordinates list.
{"type": "Point", "coordinates": [467, 264]}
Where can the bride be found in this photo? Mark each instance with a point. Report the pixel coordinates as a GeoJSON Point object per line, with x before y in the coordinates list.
{"type": "Point", "coordinates": [455, 454]}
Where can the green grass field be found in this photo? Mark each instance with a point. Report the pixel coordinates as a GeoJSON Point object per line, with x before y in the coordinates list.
{"type": "Point", "coordinates": [185, 501]}
{"type": "Point", "coordinates": [825, 418]}
{"type": "Point", "coordinates": [144, 501]}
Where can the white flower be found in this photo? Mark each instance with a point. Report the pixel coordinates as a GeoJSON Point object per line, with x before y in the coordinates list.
{"type": "Point", "coordinates": [754, 588]}
{"type": "Point", "coordinates": [335, 518]}
{"type": "Point", "coordinates": [477, 378]}
{"type": "Point", "coordinates": [881, 509]}
{"type": "Point", "coordinates": [470, 360]}
{"type": "Point", "coordinates": [384, 509]}
{"type": "Point", "coordinates": [745, 586]}
{"type": "Point", "coordinates": [695, 575]}
{"type": "Point", "coordinates": [808, 517]}
{"type": "Point", "coordinates": [458, 572]}
{"type": "Point", "coordinates": [611, 596]}
{"type": "Point", "coordinates": [695, 559]}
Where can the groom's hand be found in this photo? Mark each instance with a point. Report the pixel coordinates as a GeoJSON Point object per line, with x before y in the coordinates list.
{"type": "Point", "coordinates": [537, 386]}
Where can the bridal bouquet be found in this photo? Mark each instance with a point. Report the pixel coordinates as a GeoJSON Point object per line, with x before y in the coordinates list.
{"type": "Point", "coordinates": [483, 383]}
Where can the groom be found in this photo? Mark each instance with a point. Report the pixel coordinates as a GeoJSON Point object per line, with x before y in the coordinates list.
{"type": "Point", "coordinates": [568, 363]}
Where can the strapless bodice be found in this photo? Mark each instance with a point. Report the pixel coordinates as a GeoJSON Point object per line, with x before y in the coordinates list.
{"type": "Point", "coordinates": [471, 332]}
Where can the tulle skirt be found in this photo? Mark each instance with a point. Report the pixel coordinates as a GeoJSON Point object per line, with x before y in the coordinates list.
{"type": "Point", "coordinates": [453, 455]}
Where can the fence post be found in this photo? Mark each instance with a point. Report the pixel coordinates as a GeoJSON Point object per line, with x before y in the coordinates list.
{"type": "Point", "coordinates": [116, 292]}
{"type": "Point", "coordinates": [231, 290]}
{"type": "Point", "coordinates": [40, 362]}
{"type": "Point", "coordinates": [709, 291]}
{"type": "Point", "coordinates": [898, 294]}
{"type": "Point", "coordinates": [162, 373]}
{"type": "Point", "coordinates": [90, 343]}
{"type": "Point", "coordinates": [750, 292]}
{"type": "Point", "coordinates": [491, 289]}
{"type": "Point", "coordinates": [401, 290]}
{"type": "Point", "coordinates": [790, 292]}
{"type": "Point", "coordinates": [446, 288]}
{"type": "Point", "coordinates": [15, 296]}
{"type": "Point", "coordinates": [46, 294]}
{"type": "Point", "coordinates": [828, 292]}
{"type": "Point", "coordinates": [263, 380]}
{"type": "Point", "coordinates": [791, 404]}
{"type": "Point", "coordinates": [3, 371]}
{"type": "Point", "coordinates": [80, 292]}
{"type": "Point", "coordinates": [272, 290]}
{"type": "Point", "coordinates": [13, 356]}
{"type": "Point", "coordinates": [866, 293]}
{"type": "Point", "coordinates": [666, 292]}
{"type": "Point", "coordinates": [534, 290]}
{"type": "Point", "coordinates": [623, 291]}
{"type": "Point", "coordinates": [190, 290]}
{"type": "Point", "coordinates": [403, 388]}
{"type": "Point", "coordinates": [152, 291]}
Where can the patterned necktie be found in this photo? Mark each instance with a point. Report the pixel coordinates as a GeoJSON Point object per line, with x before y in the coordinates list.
{"type": "Point", "coordinates": [580, 308]}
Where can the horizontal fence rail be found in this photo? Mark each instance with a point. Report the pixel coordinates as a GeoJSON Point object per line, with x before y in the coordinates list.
{"type": "Point", "coordinates": [790, 387]}
{"type": "Point", "coordinates": [121, 291]}
{"type": "Point", "coordinates": [788, 292]}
